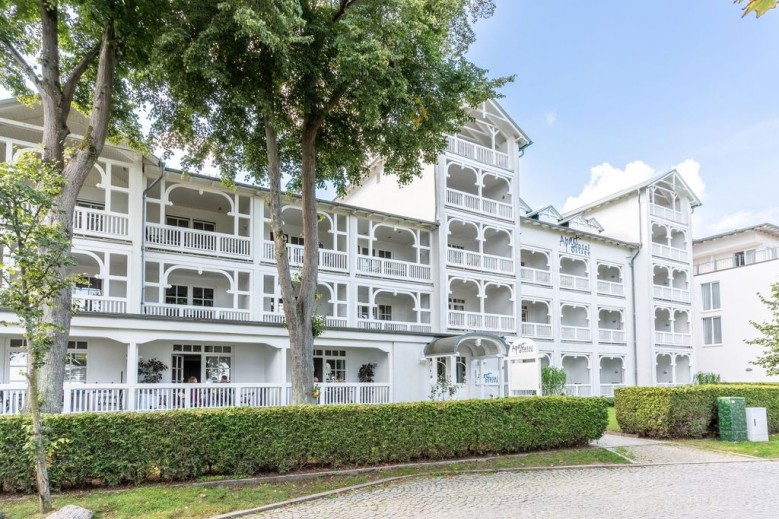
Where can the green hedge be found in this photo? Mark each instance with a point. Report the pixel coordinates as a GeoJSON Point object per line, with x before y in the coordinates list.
{"type": "Point", "coordinates": [116, 448]}
{"type": "Point", "coordinates": [687, 411]}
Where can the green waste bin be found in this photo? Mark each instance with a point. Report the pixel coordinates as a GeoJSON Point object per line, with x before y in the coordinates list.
{"type": "Point", "coordinates": [732, 413]}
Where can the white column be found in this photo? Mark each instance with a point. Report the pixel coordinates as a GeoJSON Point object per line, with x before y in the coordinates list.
{"type": "Point", "coordinates": [500, 376]}
{"type": "Point", "coordinates": [390, 359]}
{"type": "Point", "coordinates": [132, 374]}
{"type": "Point", "coordinates": [283, 375]}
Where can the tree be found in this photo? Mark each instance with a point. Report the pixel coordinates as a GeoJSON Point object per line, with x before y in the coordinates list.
{"type": "Point", "coordinates": [759, 7]}
{"type": "Point", "coordinates": [770, 333]}
{"type": "Point", "coordinates": [36, 251]}
{"type": "Point", "coordinates": [316, 90]}
{"type": "Point", "coordinates": [73, 55]}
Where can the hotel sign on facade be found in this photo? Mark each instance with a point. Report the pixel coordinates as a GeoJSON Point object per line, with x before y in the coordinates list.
{"type": "Point", "coordinates": [574, 246]}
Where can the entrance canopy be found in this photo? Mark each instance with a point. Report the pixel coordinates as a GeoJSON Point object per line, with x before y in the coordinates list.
{"type": "Point", "coordinates": [473, 344]}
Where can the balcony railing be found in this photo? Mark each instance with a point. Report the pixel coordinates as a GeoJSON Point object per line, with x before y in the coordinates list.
{"type": "Point", "coordinates": [99, 304]}
{"type": "Point", "coordinates": [192, 241]}
{"type": "Point", "coordinates": [388, 268]}
{"type": "Point", "coordinates": [611, 336]}
{"type": "Point", "coordinates": [578, 389]}
{"type": "Point", "coordinates": [96, 222]}
{"type": "Point", "coordinates": [351, 393]}
{"type": "Point", "coordinates": [733, 261]}
{"type": "Point", "coordinates": [478, 204]}
{"type": "Point", "coordinates": [484, 262]}
{"type": "Point", "coordinates": [475, 320]}
{"type": "Point", "coordinates": [536, 276]}
{"type": "Point", "coordinates": [12, 398]}
{"type": "Point", "coordinates": [673, 253]}
{"type": "Point", "coordinates": [667, 213]}
{"type": "Point", "coordinates": [196, 312]}
{"type": "Point", "coordinates": [610, 288]}
{"type": "Point", "coordinates": [537, 330]}
{"type": "Point", "coordinates": [477, 152]}
{"type": "Point", "coordinates": [673, 339]}
{"type": "Point", "coordinates": [608, 389]}
{"type": "Point", "coordinates": [571, 282]}
{"type": "Point", "coordinates": [328, 259]}
{"type": "Point", "coordinates": [672, 294]}
{"type": "Point", "coordinates": [575, 333]}
{"type": "Point", "coordinates": [392, 326]}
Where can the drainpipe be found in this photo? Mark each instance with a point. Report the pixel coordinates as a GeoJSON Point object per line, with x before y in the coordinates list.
{"type": "Point", "coordinates": [633, 293]}
{"type": "Point", "coordinates": [143, 231]}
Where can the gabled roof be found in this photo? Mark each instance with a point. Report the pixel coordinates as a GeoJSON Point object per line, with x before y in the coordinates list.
{"type": "Point", "coordinates": [524, 206]}
{"type": "Point", "coordinates": [506, 124]}
{"type": "Point", "coordinates": [548, 210]}
{"type": "Point", "coordinates": [767, 228]}
{"type": "Point", "coordinates": [578, 233]}
{"type": "Point", "coordinates": [590, 223]}
{"type": "Point", "coordinates": [673, 175]}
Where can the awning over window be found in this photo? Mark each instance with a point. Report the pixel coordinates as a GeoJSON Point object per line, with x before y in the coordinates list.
{"type": "Point", "coordinates": [473, 344]}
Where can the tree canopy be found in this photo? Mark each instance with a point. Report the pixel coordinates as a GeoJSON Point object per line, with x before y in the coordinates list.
{"type": "Point", "coordinates": [759, 7]}
{"type": "Point", "coordinates": [769, 333]}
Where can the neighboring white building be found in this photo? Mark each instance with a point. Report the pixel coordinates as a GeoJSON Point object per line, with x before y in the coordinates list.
{"type": "Point", "coordinates": [730, 269]}
{"type": "Point", "coordinates": [181, 268]}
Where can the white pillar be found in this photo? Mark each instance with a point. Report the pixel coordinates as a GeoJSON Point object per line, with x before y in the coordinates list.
{"type": "Point", "coordinates": [500, 377]}
{"type": "Point", "coordinates": [132, 374]}
{"type": "Point", "coordinates": [283, 375]}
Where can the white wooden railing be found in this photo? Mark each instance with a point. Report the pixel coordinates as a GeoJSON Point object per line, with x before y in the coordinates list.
{"type": "Point", "coordinates": [99, 304]}
{"type": "Point", "coordinates": [673, 294]}
{"type": "Point", "coordinates": [571, 282]}
{"type": "Point", "coordinates": [477, 152]}
{"type": "Point", "coordinates": [328, 259]}
{"type": "Point", "coordinates": [330, 321]}
{"type": "Point", "coordinates": [667, 213]}
{"type": "Point", "coordinates": [733, 261]}
{"type": "Point", "coordinates": [196, 312]}
{"type": "Point", "coordinates": [535, 276]}
{"type": "Point", "coordinates": [475, 320]}
{"type": "Point", "coordinates": [95, 398]}
{"type": "Point", "coordinates": [180, 239]}
{"type": "Point", "coordinates": [96, 222]}
{"type": "Point", "coordinates": [673, 339]}
{"type": "Point", "coordinates": [608, 389]}
{"type": "Point", "coordinates": [394, 326]}
{"type": "Point", "coordinates": [611, 336]}
{"type": "Point", "coordinates": [486, 262]}
{"type": "Point", "coordinates": [389, 268]}
{"type": "Point", "coordinates": [12, 398]}
{"type": "Point", "coordinates": [479, 204]}
{"type": "Point", "coordinates": [162, 397]}
{"type": "Point", "coordinates": [575, 333]}
{"type": "Point", "coordinates": [578, 389]}
{"type": "Point", "coordinates": [664, 251]}
{"type": "Point", "coordinates": [537, 330]}
{"type": "Point", "coordinates": [611, 288]}
{"type": "Point", "coordinates": [354, 393]}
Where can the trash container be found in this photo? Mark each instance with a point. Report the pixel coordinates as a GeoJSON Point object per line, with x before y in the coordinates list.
{"type": "Point", "coordinates": [732, 415]}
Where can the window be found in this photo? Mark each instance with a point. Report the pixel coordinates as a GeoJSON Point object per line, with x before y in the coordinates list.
{"type": "Point", "coordinates": [17, 362]}
{"type": "Point", "coordinates": [296, 240]}
{"type": "Point", "coordinates": [377, 253]}
{"type": "Point", "coordinates": [217, 366]}
{"type": "Point", "coordinates": [457, 305]}
{"type": "Point", "coordinates": [88, 286]}
{"type": "Point", "coordinates": [90, 205]}
{"type": "Point", "coordinates": [176, 295]}
{"type": "Point", "coordinates": [330, 365]}
{"type": "Point", "coordinates": [363, 312]}
{"type": "Point", "coordinates": [712, 330]}
{"type": "Point", "coordinates": [525, 314]}
{"type": "Point", "coordinates": [177, 221]}
{"type": "Point", "coordinates": [202, 296]}
{"type": "Point", "coordinates": [745, 257]}
{"type": "Point", "coordinates": [461, 369]}
{"type": "Point", "coordinates": [384, 313]}
{"type": "Point", "coordinates": [203, 226]}
{"type": "Point", "coordinates": [458, 247]}
{"type": "Point", "coordinates": [76, 362]}
{"type": "Point", "coordinates": [711, 299]}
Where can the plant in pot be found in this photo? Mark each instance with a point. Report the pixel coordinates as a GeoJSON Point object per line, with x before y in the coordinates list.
{"type": "Point", "coordinates": [366, 372]}
{"type": "Point", "coordinates": [150, 370]}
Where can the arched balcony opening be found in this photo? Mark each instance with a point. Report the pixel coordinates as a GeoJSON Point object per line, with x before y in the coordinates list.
{"type": "Point", "coordinates": [103, 284]}
{"type": "Point", "coordinates": [577, 370]}
{"type": "Point", "coordinates": [475, 305]}
{"type": "Point", "coordinates": [683, 371]}
{"type": "Point", "coordinates": [665, 203]}
{"type": "Point", "coordinates": [392, 251]}
{"type": "Point", "coordinates": [680, 280]}
{"type": "Point", "coordinates": [331, 304]}
{"type": "Point", "coordinates": [535, 267]}
{"type": "Point", "coordinates": [660, 276]}
{"type": "Point", "coordinates": [574, 323]}
{"type": "Point", "coordinates": [536, 319]}
{"type": "Point", "coordinates": [671, 284]}
{"type": "Point", "coordinates": [498, 250]}
{"type": "Point", "coordinates": [463, 236]}
{"type": "Point", "coordinates": [663, 321]}
{"type": "Point", "coordinates": [102, 205]}
{"type": "Point", "coordinates": [462, 179]}
{"type": "Point", "coordinates": [669, 242]}
{"type": "Point", "coordinates": [611, 326]}
{"type": "Point", "coordinates": [681, 321]}
{"type": "Point", "coordinates": [496, 194]}
{"type": "Point", "coordinates": [612, 375]}
{"type": "Point", "coordinates": [380, 309]}
{"type": "Point", "coordinates": [659, 234]}
{"type": "Point", "coordinates": [664, 369]}
{"type": "Point", "coordinates": [678, 239]}
{"type": "Point", "coordinates": [574, 274]}
{"type": "Point", "coordinates": [672, 327]}
{"type": "Point", "coordinates": [331, 245]}
{"type": "Point", "coordinates": [610, 280]}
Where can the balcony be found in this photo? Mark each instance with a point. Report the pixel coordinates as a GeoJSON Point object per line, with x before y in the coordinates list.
{"type": "Point", "coordinates": [537, 330]}
{"type": "Point", "coordinates": [395, 269]}
{"type": "Point", "coordinates": [672, 294]}
{"type": "Point", "coordinates": [575, 333]}
{"type": "Point", "coordinates": [571, 282]}
{"type": "Point", "coordinates": [609, 288]}
{"type": "Point", "coordinates": [392, 326]}
{"type": "Point", "coordinates": [536, 276]}
{"type": "Point", "coordinates": [460, 320]}
{"type": "Point", "coordinates": [12, 398]}
{"type": "Point", "coordinates": [99, 304]}
{"type": "Point", "coordinates": [673, 253]}
{"type": "Point", "coordinates": [608, 336]}
{"type": "Point", "coordinates": [475, 260]}
{"type": "Point", "coordinates": [477, 152]}
{"type": "Point", "coordinates": [478, 204]}
{"type": "Point", "coordinates": [578, 389]}
{"type": "Point", "coordinates": [101, 224]}
{"type": "Point", "coordinates": [192, 241]}
{"type": "Point", "coordinates": [196, 312]}
{"type": "Point", "coordinates": [328, 259]}
{"type": "Point", "coordinates": [673, 339]}
{"type": "Point", "coordinates": [667, 213]}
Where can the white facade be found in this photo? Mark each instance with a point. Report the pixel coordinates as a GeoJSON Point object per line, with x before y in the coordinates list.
{"type": "Point", "coordinates": [730, 269]}
{"type": "Point", "coordinates": [181, 269]}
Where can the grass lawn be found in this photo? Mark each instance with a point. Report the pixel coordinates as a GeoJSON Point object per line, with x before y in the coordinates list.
{"type": "Point", "coordinates": [613, 425]}
{"type": "Point", "coordinates": [196, 501]}
{"type": "Point", "coordinates": [768, 450]}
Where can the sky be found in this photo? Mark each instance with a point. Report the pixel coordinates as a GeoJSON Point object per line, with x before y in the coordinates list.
{"type": "Point", "coordinates": [612, 92]}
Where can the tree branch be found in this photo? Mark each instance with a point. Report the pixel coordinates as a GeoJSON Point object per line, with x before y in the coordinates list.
{"type": "Point", "coordinates": [19, 59]}
{"type": "Point", "coordinates": [343, 8]}
{"type": "Point", "coordinates": [75, 75]}
{"type": "Point", "coordinates": [335, 98]}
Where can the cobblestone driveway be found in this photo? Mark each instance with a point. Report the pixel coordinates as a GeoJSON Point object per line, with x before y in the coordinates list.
{"type": "Point", "coordinates": [743, 490]}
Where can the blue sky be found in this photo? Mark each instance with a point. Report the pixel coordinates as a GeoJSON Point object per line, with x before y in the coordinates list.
{"type": "Point", "coordinates": [660, 82]}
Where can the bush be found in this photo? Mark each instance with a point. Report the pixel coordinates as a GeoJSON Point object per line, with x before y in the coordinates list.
{"type": "Point", "coordinates": [116, 448]}
{"type": "Point", "coordinates": [703, 378]}
{"type": "Point", "coordinates": [687, 411]}
{"type": "Point", "coordinates": [553, 380]}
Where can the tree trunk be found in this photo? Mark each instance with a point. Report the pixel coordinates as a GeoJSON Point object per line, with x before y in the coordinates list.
{"type": "Point", "coordinates": [39, 450]}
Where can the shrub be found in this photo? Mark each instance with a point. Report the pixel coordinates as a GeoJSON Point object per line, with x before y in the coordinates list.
{"type": "Point", "coordinates": [116, 448]}
{"type": "Point", "coordinates": [553, 380]}
{"type": "Point", "coordinates": [703, 378]}
{"type": "Point", "coordinates": [687, 411]}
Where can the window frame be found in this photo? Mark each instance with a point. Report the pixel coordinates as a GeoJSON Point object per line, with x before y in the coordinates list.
{"type": "Point", "coordinates": [709, 329]}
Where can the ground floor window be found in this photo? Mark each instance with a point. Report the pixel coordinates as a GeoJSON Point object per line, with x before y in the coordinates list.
{"type": "Point", "coordinates": [330, 365]}
{"type": "Point", "coordinates": [712, 330]}
{"type": "Point", "coordinates": [461, 369]}
{"type": "Point", "coordinates": [17, 362]}
{"type": "Point", "coordinates": [201, 363]}
{"type": "Point", "coordinates": [76, 362]}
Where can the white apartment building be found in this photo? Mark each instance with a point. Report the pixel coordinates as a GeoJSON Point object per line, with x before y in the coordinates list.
{"type": "Point", "coordinates": [729, 270]}
{"type": "Point", "coordinates": [434, 278]}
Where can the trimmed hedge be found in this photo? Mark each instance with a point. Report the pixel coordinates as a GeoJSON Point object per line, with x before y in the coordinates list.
{"type": "Point", "coordinates": [116, 448]}
{"type": "Point", "coordinates": [687, 411]}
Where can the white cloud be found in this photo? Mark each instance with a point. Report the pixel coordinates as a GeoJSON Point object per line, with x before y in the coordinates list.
{"type": "Point", "coordinates": [605, 180]}
{"type": "Point", "coordinates": [550, 117]}
{"type": "Point", "coordinates": [733, 221]}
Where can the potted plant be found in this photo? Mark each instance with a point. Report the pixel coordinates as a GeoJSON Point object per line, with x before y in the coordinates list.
{"type": "Point", "coordinates": [366, 372]}
{"type": "Point", "coordinates": [150, 371]}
